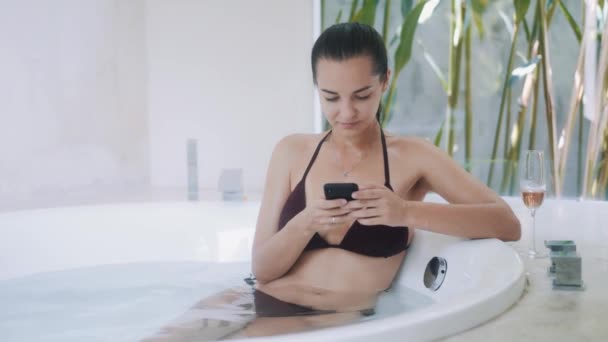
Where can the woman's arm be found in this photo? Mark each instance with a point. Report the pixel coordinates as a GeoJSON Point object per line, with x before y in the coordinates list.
{"type": "Point", "coordinates": [274, 253]}
{"type": "Point", "coordinates": [474, 210]}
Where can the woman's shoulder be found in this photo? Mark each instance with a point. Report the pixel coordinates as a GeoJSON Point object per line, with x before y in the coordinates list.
{"type": "Point", "coordinates": [410, 144]}
{"type": "Point", "coordinates": [299, 142]}
{"type": "Point", "coordinates": [290, 149]}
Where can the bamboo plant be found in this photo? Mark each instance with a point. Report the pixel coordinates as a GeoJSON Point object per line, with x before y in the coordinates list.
{"type": "Point", "coordinates": [531, 81]}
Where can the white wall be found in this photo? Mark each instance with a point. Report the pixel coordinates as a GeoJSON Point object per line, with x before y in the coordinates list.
{"type": "Point", "coordinates": [233, 74]}
{"type": "Point", "coordinates": [98, 97]}
{"type": "Point", "coordinates": [72, 96]}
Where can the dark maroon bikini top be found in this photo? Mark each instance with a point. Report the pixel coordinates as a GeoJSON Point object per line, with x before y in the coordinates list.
{"type": "Point", "coordinates": [374, 241]}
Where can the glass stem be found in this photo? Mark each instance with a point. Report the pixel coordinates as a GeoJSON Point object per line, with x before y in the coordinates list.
{"type": "Point", "coordinates": [533, 213]}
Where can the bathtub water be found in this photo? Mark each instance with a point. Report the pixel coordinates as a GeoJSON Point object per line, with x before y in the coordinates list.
{"type": "Point", "coordinates": [121, 272]}
{"type": "Point", "coordinates": [125, 302]}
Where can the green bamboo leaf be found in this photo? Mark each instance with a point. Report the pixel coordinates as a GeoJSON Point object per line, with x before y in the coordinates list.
{"type": "Point", "coordinates": [550, 8]}
{"type": "Point", "coordinates": [388, 105]}
{"type": "Point", "coordinates": [438, 73]}
{"type": "Point", "coordinates": [353, 10]}
{"type": "Point", "coordinates": [404, 50]}
{"type": "Point", "coordinates": [434, 67]}
{"type": "Point", "coordinates": [521, 8]}
{"type": "Point", "coordinates": [339, 17]}
{"type": "Point", "coordinates": [571, 21]}
{"type": "Point", "coordinates": [527, 30]}
{"type": "Point", "coordinates": [367, 13]}
{"type": "Point", "coordinates": [535, 25]}
{"type": "Point", "coordinates": [479, 7]}
{"type": "Point", "coordinates": [439, 134]}
{"type": "Point", "coordinates": [406, 7]}
{"type": "Point", "coordinates": [394, 40]}
{"type": "Point", "coordinates": [479, 24]}
{"type": "Point", "coordinates": [388, 102]}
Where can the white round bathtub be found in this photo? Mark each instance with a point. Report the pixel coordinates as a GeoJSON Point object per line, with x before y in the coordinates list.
{"type": "Point", "coordinates": [116, 252]}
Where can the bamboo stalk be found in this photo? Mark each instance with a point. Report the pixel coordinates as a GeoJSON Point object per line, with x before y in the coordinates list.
{"type": "Point", "coordinates": [590, 72]}
{"type": "Point", "coordinates": [551, 12]}
{"type": "Point", "coordinates": [602, 168]}
{"type": "Point", "coordinates": [534, 119]}
{"type": "Point", "coordinates": [502, 102]}
{"type": "Point", "coordinates": [455, 53]}
{"type": "Point", "coordinates": [505, 146]}
{"type": "Point", "coordinates": [603, 165]}
{"type": "Point", "coordinates": [451, 56]}
{"type": "Point", "coordinates": [468, 102]}
{"type": "Point", "coordinates": [529, 36]}
{"type": "Point", "coordinates": [579, 155]}
{"type": "Point", "coordinates": [521, 122]}
{"type": "Point", "coordinates": [508, 152]}
{"type": "Point", "coordinates": [322, 15]}
{"type": "Point", "coordinates": [385, 24]}
{"type": "Point", "coordinates": [581, 123]}
{"type": "Point", "coordinates": [600, 122]}
{"type": "Point", "coordinates": [523, 101]}
{"type": "Point", "coordinates": [548, 93]}
{"type": "Point", "coordinates": [535, 98]}
{"type": "Point", "coordinates": [601, 85]}
{"type": "Point", "coordinates": [510, 170]}
{"type": "Point", "coordinates": [506, 167]}
{"type": "Point", "coordinates": [575, 101]}
{"type": "Point", "coordinates": [453, 98]}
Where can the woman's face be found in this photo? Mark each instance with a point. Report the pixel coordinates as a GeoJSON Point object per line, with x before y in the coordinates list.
{"type": "Point", "coordinates": [349, 92]}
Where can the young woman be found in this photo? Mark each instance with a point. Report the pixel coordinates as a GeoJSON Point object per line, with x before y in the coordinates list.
{"type": "Point", "coordinates": [322, 262]}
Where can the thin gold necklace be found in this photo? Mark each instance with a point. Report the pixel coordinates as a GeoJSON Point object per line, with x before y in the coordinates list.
{"type": "Point", "coordinates": [345, 173]}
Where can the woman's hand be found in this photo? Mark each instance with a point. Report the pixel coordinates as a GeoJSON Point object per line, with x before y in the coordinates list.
{"type": "Point", "coordinates": [376, 204]}
{"type": "Point", "coordinates": [322, 215]}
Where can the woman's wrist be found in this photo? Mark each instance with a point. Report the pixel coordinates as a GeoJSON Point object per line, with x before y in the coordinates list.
{"type": "Point", "coordinates": [301, 224]}
{"type": "Point", "coordinates": [410, 210]}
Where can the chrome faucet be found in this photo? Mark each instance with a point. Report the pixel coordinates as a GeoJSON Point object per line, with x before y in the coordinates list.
{"type": "Point", "coordinates": [566, 265]}
{"type": "Point", "coordinates": [192, 169]}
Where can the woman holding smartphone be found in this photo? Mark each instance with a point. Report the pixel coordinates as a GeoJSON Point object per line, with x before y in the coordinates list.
{"type": "Point", "coordinates": [325, 247]}
{"type": "Point", "coordinates": [321, 261]}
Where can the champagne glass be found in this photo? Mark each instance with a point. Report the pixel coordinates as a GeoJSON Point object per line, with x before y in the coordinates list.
{"type": "Point", "coordinates": [532, 186]}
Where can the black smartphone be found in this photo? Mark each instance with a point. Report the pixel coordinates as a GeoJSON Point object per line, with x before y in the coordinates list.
{"type": "Point", "coordinates": [340, 190]}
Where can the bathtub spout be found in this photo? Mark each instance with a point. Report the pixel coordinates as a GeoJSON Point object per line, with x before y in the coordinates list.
{"type": "Point", "coordinates": [192, 169]}
{"type": "Point", "coordinates": [231, 184]}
